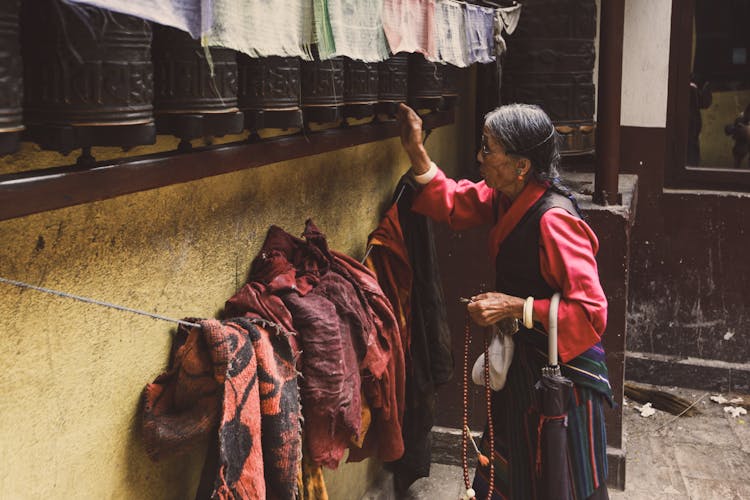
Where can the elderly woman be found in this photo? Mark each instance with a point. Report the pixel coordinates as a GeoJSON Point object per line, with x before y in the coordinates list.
{"type": "Point", "coordinates": [540, 245]}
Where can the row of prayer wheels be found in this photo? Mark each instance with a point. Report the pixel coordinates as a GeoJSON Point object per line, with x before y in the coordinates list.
{"type": "Point", "coordinates": [81, 76]}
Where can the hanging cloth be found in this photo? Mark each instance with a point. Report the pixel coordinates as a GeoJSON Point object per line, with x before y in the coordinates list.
{"type": "Point", "coordinates": [350, 28]}
{"type": "Point", "coordinates": [480, 33]}
{"type": "Point", "coordinates": [239, 376]}
{"type": "Point", "coordinates": [405, 259]}
{"type": "Point", "coordinates": [185, 15]}
{"type": "Point", "coordinates": [349, 340]}
{"type": "Point", "coordinates": [450, 33]}
{"type": "Point", "coordinates": [506, 20]}
{"type": "Point", "coordinates": [261, 28]}
{"type": "Point", "coordinates": [410, 26]}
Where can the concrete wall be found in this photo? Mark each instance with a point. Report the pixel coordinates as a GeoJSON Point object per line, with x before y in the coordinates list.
{"type": "Point", "coordinates": [74, 372]}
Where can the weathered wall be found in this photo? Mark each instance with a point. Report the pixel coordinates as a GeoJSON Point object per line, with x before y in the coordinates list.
{"type": "Point", "coordinates": [688, 309]}
{"type": "Point", "coordinates": [74, 372]}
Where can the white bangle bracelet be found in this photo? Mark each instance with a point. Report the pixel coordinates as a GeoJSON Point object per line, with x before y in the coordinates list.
{"type": "Point", "coordinates": [426, 177]}
{"type": "Point", "coordinates": [528, 312]}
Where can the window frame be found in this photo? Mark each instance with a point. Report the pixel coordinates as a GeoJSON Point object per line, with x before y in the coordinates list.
{"type": "Point", "coordinates": [678, 174]}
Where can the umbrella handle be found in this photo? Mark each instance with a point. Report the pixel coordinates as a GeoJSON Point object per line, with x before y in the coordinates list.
{"type": "Point", "coordinates": [554, 304]}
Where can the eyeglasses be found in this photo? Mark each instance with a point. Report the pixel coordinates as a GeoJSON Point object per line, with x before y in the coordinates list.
{"type": "Point", "coordinates": [486, 151]}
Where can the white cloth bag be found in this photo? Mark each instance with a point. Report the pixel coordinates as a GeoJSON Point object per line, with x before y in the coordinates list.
{"type": "Point", "coordinates": [501, 355]}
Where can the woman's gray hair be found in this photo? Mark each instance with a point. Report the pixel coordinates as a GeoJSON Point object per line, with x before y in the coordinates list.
{"type": "Point", "coordinates": [525, 130]}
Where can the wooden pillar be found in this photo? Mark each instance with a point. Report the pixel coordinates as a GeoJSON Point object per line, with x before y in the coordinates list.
{"type": "Point", "coordinates": [611, 24]}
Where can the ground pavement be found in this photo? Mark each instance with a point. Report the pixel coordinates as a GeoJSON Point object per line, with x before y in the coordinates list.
{"type": "Point", "coordinates": [705, 457]}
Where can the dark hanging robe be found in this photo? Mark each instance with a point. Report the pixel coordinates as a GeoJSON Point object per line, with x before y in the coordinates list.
{"type": "Point", "coordinates": [404, 258]}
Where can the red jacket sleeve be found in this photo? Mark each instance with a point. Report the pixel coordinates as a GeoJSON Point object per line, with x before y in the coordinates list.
{"type": "Point", "coordinates": [567, 263]}
{"type": "Point", "coordinates": [461, 204]}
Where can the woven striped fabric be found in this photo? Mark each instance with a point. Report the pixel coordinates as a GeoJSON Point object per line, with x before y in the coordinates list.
{"type": "Point", "coordinates": [515, 418]}
{"type": "Point", "coordinates": [588, 369]}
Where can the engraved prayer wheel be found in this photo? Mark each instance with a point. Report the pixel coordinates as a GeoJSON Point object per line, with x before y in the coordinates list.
{"type": "Point", "coordinates": [393, 81]}
{"type": "Point", "coordinates": [11, 78]}
{"type": "Point", "coordinates": [191, 98]}
{"type": "Point", "coordinates": [450, 86]}
{"type": "Point", "coordinates": [88, 76]}
{"type": "Point", "coordinates": [270, 91]}
{"type": "Point", "coordinates": [360, 88]}
{"type": "Point", "coordinates": [425, 83]}
{"type": "Point", "coordinates": [550, 62]}
{"type": "Point", "coordinates": [323, 90]}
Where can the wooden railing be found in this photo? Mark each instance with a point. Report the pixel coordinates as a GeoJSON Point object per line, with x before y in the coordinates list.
{"type": "Point", "coordinates": [40, 190]}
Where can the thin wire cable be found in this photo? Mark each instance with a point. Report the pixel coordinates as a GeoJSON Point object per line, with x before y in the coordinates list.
{"type": "Point", "coordinates": [88, 300]}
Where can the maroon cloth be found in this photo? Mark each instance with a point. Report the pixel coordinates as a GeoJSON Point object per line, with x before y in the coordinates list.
{"type": "Point", "coordinates": [239, 377]}
{"type": "Point", "coordinates": [257, 299]}
{"type": "Point", "coordinates": [383, 364]}
{"type": "Point", "coordinates": [384, 392]}
{"type": "Point", "coordinates": [347, 335]}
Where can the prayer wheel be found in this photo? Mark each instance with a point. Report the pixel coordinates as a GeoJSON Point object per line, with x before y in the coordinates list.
{"type": "Point", "coordinates": [88, 76]}
{"type": "Point", "coordinates": [270, 92]}
{"type": "Point", "coordinates": [323, 90]}
{"type": "Point", "coordinates": [393, 80]}
{"type": "Point", "coordinates": [192, 98]}
{"type": "Point", "coordinates": [11, 78]}
{"type": "Point", "coordinates": [450, 86]}
{"type": "Point", "coordinates": [425, 83]}
{"type": "Point", "coordinates": [360, 88]}
{"type": "Point", "coordinates": [550, 62]}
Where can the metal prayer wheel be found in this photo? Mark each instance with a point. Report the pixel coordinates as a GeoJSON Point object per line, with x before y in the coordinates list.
{"type": "Point", "coordinates": [323, 90]}
{"type": "Point", "coordinates": [360, 88]}
{"type": "Point", "coordinates": [11, 78]}
{"type": "Point", "coordinates": [191, 98]}
{"type": "Point", "coordinates": [425, 83]}
{"type": "Point", "coordinates": [450, 86]}
{"type": "Point", "coordinates": [270, 91]}
{"type": "Point", "coordinates": [88, 76]}
{"type": "Point", "coordinates": [550, 62]}
{"type": "Point", "coordinates": [393, 81]}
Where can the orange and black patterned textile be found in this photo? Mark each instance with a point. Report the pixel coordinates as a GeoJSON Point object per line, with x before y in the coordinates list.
{"type": "Point", "coordinates": [228, 374]}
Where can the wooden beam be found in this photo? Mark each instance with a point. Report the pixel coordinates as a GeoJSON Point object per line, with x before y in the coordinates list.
{"type": "Point", "coordinates": [37, 191]}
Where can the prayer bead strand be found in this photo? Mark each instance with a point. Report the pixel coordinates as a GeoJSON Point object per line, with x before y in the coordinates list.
{"type": "Point", "coordinates": [470, 493]}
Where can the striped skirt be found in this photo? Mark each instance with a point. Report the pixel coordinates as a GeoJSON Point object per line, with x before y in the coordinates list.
{"type": "Point", "coordinates": [515, 418]}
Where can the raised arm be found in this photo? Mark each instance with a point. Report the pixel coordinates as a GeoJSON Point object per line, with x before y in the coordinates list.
{"type": "Point", "coordinates": [461, 204]}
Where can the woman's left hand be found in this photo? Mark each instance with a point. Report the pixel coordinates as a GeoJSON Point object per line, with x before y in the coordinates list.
{"type": "Point", "coordinates": [488, 308]}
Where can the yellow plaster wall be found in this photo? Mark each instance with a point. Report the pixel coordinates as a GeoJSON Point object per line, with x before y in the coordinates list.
{"type": "Point", "coordinates": [73, 373]}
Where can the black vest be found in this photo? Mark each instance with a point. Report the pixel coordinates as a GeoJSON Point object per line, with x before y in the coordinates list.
{"type": "Point", "coordinates": [517, 263]}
